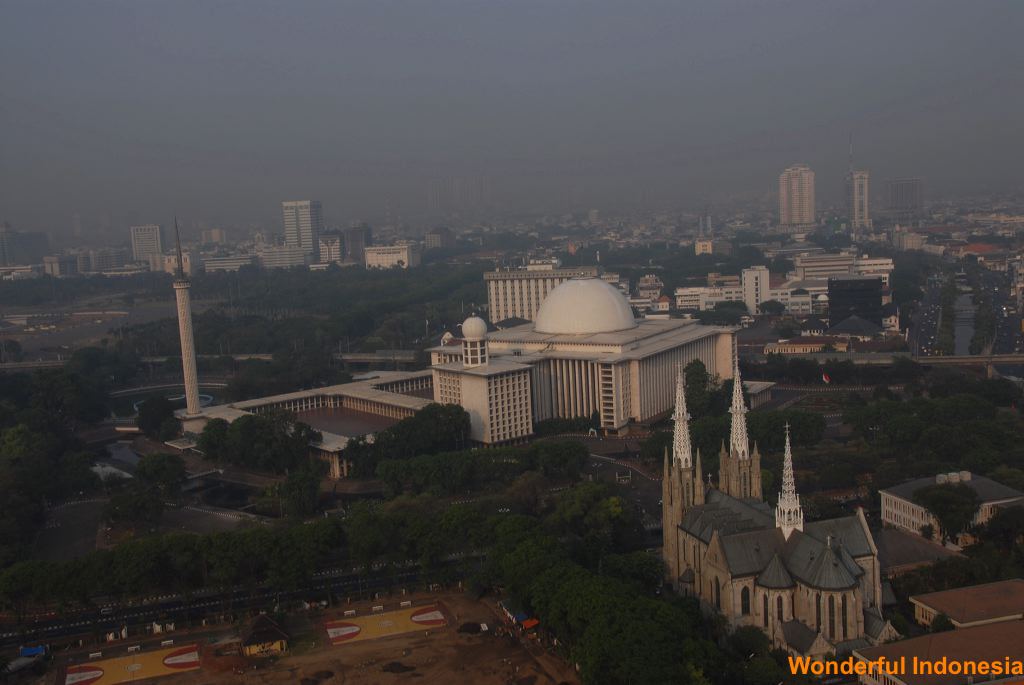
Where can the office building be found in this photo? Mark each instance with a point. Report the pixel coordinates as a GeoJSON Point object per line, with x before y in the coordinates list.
{"type": "Point", "coordinates": [190, 263]}
{"type": "Point", "coordinates": [438, 238]}
{"type": "Point", "coordinates": [214, 236]}
{"type": "Point", "coordinates": [820, 266]}
{"type": "Point", "coordinates": [60, 266]}
{"type": "Point", "coordinates": [229, 263]}
{"type": "Point", "coordinates": [796, 197]}
{"type": "Point", "coordinates": [21, 247]}
{"type": "Point", "coordinates": [332, 249]}
{"type": "Point", "coordinates": [357, 239]}
{"type": "Point", "coordinates": [146, 240]}
{"type": "Point", "coordinates": [518, 293]}
{"type": "Point", "coordinates": [900, 510]}
{"type": "Point", "coordinates": [107, 259]}
{"type": "Point", "coordinates": [283, 256]}
{"type": "Point", "coordinates": [392, 256]}
{"type": "Point", "coordinates": [859, 296]}
{"type": "Point", "coordinates": [857, 203]}
{"type": "Point", "coordinates": [303, 224]}
{"type": "Point", "coordinates": [756, 288]}
{"type": "Point", "coordinates": [906, 241]}
{"type": "Point", "coordinates": [905, 197]}
{"type": "Point", "coordinates": [814, 588]}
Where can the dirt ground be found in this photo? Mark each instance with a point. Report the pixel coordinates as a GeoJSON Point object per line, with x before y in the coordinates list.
{"type": "Point", "coordinates": [438, 656]}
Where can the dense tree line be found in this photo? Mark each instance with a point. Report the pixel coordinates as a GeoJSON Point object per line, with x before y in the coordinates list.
{"type": "Point", "coordinates": [924, 436]}
{"type": "Point", "coordinates": [433, 429]}
{"type": "Point", "coordinates": [800, 371]}
{"type": "Point", "coordinates": [452, 473]}
{"type": "Point", "coordinates": [272, 442]}
{"type": "Point", "coordinates": [41, 461]}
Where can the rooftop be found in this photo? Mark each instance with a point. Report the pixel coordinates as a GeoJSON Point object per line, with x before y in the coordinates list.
{"type": "Point", "coordinates": [991, 643]}
{"type": "Point", "coordinates": [988, 490]}
{"type": "Point", "coordinates": [999, 601]}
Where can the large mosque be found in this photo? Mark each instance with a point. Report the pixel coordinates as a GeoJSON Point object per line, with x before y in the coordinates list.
{"type": "Point", "coordinates": [813, 587]}
{"type": "Point", "coordinates": [584, 353]}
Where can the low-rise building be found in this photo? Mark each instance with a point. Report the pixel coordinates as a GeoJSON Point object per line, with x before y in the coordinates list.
{"type": "Point", "coordinates": [391, 256]}
{"type": "Point", "coordinates": [925, 660]}
{"type": "Point", "coordinates": [231, 263]}
{"type": "Point", "coordinates": [901, 511]}
{"type": "Point", "coordinates": [974, 605]}
{"type": "Point", "coordinates": [807, 344]}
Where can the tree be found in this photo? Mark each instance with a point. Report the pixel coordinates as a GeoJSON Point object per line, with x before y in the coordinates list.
{"type": "Point", "coordinates": [134, 504]}
{"type": "Point", "coordinates": [942, 624]}
{"type": "Point", "coordinates": [772, 307]}
{"type": "Point", "coordinates": [213, 441]}
{"type": "Point", "coordinates": [153, 412]}
{"type": "Point", "coordinates": [953, 506]}
{"type": "Point", "coordinates": [165, 472]}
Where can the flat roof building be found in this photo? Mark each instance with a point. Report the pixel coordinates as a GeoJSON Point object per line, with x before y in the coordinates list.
{"type": "Point", "coordinates": [974, 605]}
{"type": "Point", "coordinates": [520, 292]}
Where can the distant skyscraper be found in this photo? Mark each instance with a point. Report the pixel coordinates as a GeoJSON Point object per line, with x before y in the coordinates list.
{"type": "Point", "coordinates": [905, 196]}
{"type": "Point", "coordinates": [303, 224]}
{"type": "Point", "coordinates": [357, 239]}
{"type": "Point", "coordinates": [857, 207]}
{"type": "Point", "coordinates": [796, 196]}
{"type": "Point", "coordinates": [147, 241]}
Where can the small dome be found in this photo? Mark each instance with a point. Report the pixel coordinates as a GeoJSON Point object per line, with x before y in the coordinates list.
{"type": "Point", "coordinates": [583, 306]}
{"type": "Point", "coordinates": [474, 328]}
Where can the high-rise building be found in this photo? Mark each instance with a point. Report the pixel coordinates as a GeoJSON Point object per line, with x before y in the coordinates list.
{"type": "Point", "coordinates": [20, 247]}
{"type": "Point", "coordinates": [357, 239]}
{"type": "Point", "coordinates": [147, 241]}
{"type": "Point", "coordinates": [905, 197]}
{"type": "Point", "coordinates": [857, 207]}
{"type": "Point", "coordinates": [216, 236]}
{"type": "Point", "coordinates": [60, 266]}
{"type": "Point", "coordinates": [331, 249]}
{"type": "Point", "coordinates": [796, 196]}
{"type": "Point", "coordinates": [439, 237]}
{"type": "Point", "coordinates": [519, 292]}
{"type": "Point", "coordinates": [855, 296]}
{"type": "Point", "coordinates": [303, 224]}
{"type": "Point", "coordinates": [756, 286]}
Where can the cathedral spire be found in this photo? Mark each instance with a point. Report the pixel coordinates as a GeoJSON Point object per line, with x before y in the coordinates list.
{"type": "Point", "coordinates": [682, 452]}
{"type": "Point", "coordinates": [789, 515]}
{"type": "Point", "coordinates": [738, 445]}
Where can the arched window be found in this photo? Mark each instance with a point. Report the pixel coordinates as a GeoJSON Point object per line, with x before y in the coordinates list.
{"type": "Point", "coordinates": [817, 611]}
{"type": "Point", "coordinates": [845, 618]}
{"type": "Point", "coordinates": [831, 617]}
{"type": "Point", "coordinates": [718, 594]}
{"type": "Point", "coordinates": [764, 610]}
{"type": "Point", "coordinates": [778, 609]}
{"type": "Point", "coordinates": [745, 601]}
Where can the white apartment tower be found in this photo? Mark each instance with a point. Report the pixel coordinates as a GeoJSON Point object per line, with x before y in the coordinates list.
{"type": "Point", "coordinates": [796, 196]}
{"type": "Point", "coordinates": [857, 183]}
{"type": "Point", "coordinates": [147, 241]}
{"type": "Point", "coordinates": [303, 224]}
{"type": "Point", "coordinates": [518, 293]}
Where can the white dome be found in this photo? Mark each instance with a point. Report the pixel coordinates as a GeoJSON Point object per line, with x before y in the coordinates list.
{"type": "Point", "coordinates": [474, 328]}
{"type": "Point", "coordinates": [584, 305]}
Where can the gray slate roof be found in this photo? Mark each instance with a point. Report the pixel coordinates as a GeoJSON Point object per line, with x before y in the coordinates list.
{"type": "Point", "coordinates": [727, 515]}
{"type": "Point", "coordinates": [751, 544]}
{"type": "Point", "coordinates": [798, 635]}
{"type": "Point", "coordinates": [987, 489]}
{"type": "Point", "coordinates": [775, 575]}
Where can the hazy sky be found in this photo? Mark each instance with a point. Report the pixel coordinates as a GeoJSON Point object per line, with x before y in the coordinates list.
{"type": "Point", "coordinates": [220, 110]}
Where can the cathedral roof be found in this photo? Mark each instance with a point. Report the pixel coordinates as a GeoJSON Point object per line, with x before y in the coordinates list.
{"type": "Point", "coordinates": [799, 636]}
{"type": "Point", "coordinates": [775, 575]}
{"type": "Point", "coordinates": [826, 569]}
{"type": "Point", "coordinates": [821, 556]}
{"type": "Point", "coordinates": [727, 515]}
{"type": "Point", "coordinates": [847, 530]}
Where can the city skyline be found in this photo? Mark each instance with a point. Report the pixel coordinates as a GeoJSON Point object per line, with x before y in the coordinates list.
{"type": "Point", "coordinates": [196, 123]}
